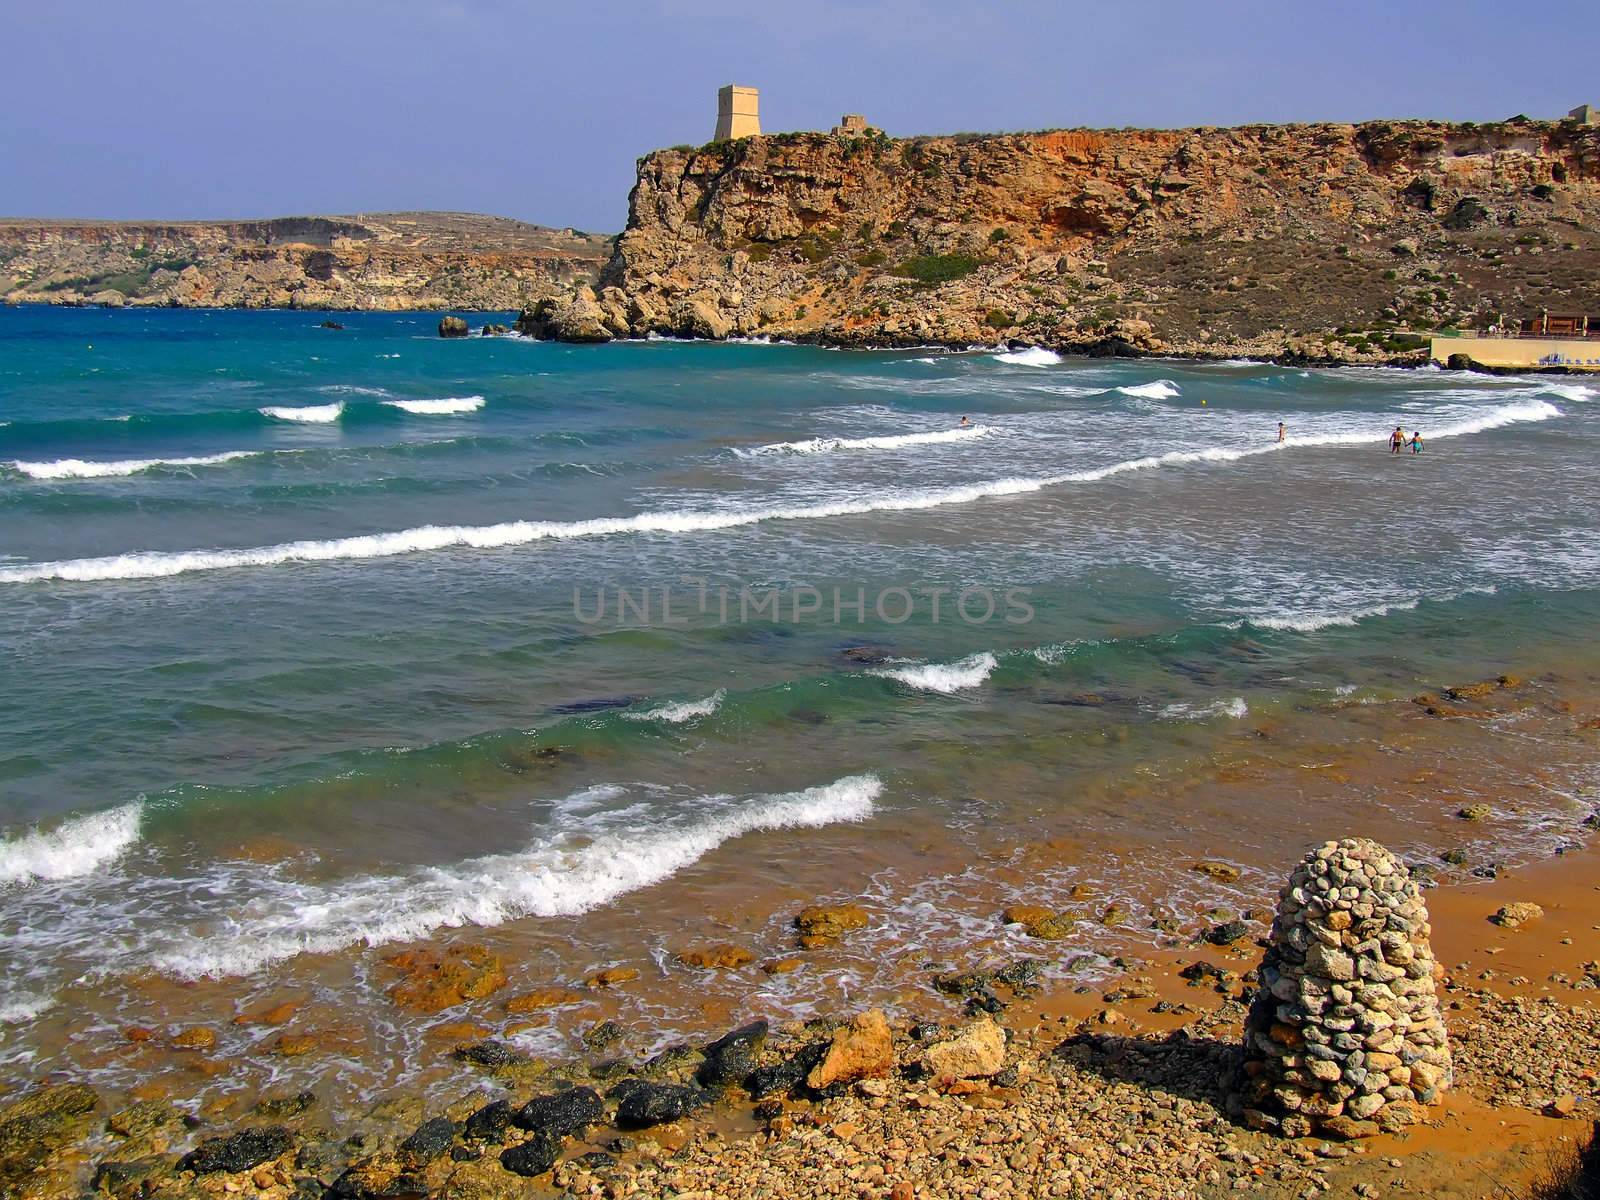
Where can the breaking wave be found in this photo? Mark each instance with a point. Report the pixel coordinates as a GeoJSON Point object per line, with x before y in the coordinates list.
{"type": "Point", "coordinates": [76, 847]}
{"type": "Point", "coordinates": [1160, 389]}
{"type": "Point", "coordinates": [680, 711]}
{"type": "Point", "coordinates": [161, 564]}
{"type": "Point", "coordinates": [1235, 708]}
{"type": "Point", "coordinates": [77, 468]}
{"type": "Point", "coordinates": [550, 878]}
{"type": "Point", "coordinates": [1032, 356]}
{"type": "Point", "coordinates": [315, 414]}
{"type": "Point", "coordinates": [444, 407]}
{"type": "Point", "coordinates": [896, 441]}
{"type": "Point", "coordinates": [945, 678]}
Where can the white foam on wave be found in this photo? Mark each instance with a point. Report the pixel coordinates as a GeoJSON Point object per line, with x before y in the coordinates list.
{"type": "Point", "coordinates": [442, 407]}
{"type": "Point", "coordinates": [1310, 622]}
{"type": "Point", "coordinates": [894, 441]}
{"type": "Point", "coordinates": [1235, 708]}
{"type": "Point", "coordinates": [1031, 356]}
{"type": "Point", "coordinates": [76, 847]}
{"type": "Point", "coordinates": [550, 878]}
{"type": "Point", "coordinates": [23, 1007]}
{"type": "Point", "coordinates": [162, 564]}
{"type": "Point", "coordinates": [945, 678]}
{"type": "Point", "coordinates": [315, 414]}
{"type": "Point", "coordinates": [1159, 389]}
{"type": "Point", "coordinates": [77, 468]}
{"type": "Point", "coordinates": [678, 712]}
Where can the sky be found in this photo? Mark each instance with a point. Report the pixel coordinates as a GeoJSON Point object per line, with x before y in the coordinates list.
{"type": "Point", "coordinates": [178, 109]}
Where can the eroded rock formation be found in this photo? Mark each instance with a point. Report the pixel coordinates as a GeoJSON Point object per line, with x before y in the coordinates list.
{"type": "Point", "coordinates": [1331, 241]}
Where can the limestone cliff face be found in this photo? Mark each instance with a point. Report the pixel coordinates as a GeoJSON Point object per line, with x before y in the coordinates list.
{"type": "Point", "coordinates": [1327, 240]}
{"type": "Point", "coordinates": [390, 261]}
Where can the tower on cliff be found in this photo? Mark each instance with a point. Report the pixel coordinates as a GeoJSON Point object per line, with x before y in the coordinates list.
{"type": "Point", "coordinates": [738, 113]}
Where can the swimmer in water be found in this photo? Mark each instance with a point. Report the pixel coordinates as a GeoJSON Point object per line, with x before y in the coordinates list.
{"type": "Point", "coordinates": [965, 423]}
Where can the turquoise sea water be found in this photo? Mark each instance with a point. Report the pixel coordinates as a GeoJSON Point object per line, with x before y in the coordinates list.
{"type": "Point", "coordinates": [313, 642]}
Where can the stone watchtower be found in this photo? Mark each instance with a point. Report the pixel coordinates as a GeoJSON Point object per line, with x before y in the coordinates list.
{"type": "Point", "coordinates": [738, 113]}
{"type": "Point", "coordinates": [1345, 1037]}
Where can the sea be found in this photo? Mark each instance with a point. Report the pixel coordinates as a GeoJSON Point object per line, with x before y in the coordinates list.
{"type": "Point", "coordinates": [320, 644]}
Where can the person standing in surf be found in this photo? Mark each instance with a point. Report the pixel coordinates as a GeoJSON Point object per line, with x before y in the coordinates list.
{"type": "Point", "coordinates": [1282, 432]}
{"type": "Point", "coordinates": [1416, 441]}
{"type": "Point", "coordinates": [1397, 439]}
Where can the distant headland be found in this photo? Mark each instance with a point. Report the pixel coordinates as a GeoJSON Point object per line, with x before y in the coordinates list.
{"type": "Point", "coordinates": [1321, 243]}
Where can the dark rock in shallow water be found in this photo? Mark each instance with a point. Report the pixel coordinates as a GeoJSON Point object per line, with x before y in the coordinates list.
{"type": "Point", "coordinates": [489, 1054]}
{"type": "Point", "coordinates": [732, 1057]}
{"type": "Point", "coordinates": [330, 325]}
{"type": "Point", "coordinates": [238, 1152]}
{"type": "Point", "coordinates": [119, 1178]}
{"type": "Point", "coordinates": [561, 1114]}
{"type": "Point", "coordinates": [452, 327]}
{"type": "Point", "coordinates": [278, 1108]}
{"type": "Point", "coordinates": [32, 1127]}
{"type": "Point", "coordinates": [1227, 933]}
{"type": "Point", "coordinates": [607, 1033]}
{"type": "Point", "coordinates": [648, 1104]}
{"type": "Point", "coordinates": [1023, 973]}
{"type": "Point", "coordinates": [431, 1139]}
{"type": "Point", "coordinates": [983, 1002]}
{"type": "Point", "coordinates": [596, 1160]}
{"type": "Point", "coordinates": [788, 1074]}
{"type": "Point", "coordinates": [867, 656]}
{"type": "Point", "coordinates": [490, 1122]}
{"type": "Point", "coordinates": [532, 1157]}
{"type": "Point", "coordinates": [597, 704]}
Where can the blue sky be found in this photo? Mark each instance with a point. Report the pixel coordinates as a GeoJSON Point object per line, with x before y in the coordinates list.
{"type": "Point", "coordinates": [244, 108]}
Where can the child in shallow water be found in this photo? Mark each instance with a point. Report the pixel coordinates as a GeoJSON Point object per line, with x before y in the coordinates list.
{"type": "Point", "coordinates": [1416, 441]}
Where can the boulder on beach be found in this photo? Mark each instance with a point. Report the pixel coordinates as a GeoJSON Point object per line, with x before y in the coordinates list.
{"type": "Point", "coordinates": [860, 1050]}
{"type": "Point", "coordinates": [238, 1152]}
{"type": "Point", "coordinates": [975, 1052]}
{"type": "Point", "coordinates": [642, 1104]}
{"type": "Point", "coordinates": [732, 1057]}
{"type": "Point", "coordinates": [561, 1114]}
{"type": "Point", "coordinates": [35, 1125]}
{"type": "Point", "coordinates": [1516, 915]}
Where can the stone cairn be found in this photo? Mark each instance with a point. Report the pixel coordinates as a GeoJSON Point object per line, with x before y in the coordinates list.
{"type": "Point", "coordinates": [1345, 1038]}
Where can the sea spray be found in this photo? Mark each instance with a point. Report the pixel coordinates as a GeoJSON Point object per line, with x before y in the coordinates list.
{"type": "Point", "coordinates": [77, 846]}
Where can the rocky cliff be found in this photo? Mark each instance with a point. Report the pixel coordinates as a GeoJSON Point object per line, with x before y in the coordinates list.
{"type": "Point", "coordinates": [1330, 241]}
{"type": "Point", "coordinates": [383, 261]}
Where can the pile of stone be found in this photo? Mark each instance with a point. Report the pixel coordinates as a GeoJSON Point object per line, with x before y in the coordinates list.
{"type": "Point", "coordinates": [1345, 1038]}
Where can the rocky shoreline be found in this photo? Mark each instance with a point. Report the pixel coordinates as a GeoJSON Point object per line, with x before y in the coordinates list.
{"type": "Point", "coordinates": [1130, 1089]}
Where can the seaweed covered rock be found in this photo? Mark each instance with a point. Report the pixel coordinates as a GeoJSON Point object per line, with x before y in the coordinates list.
{"type": "Point", "coordinates": [1345, 1037]}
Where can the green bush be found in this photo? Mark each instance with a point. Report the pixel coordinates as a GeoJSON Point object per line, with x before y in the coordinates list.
{"type": "Point", "coordinates": [997, 318]}
{"type": "Point", "coordinates": [998, 236]}
{"type": "Point", "coordinates": [937, 268]}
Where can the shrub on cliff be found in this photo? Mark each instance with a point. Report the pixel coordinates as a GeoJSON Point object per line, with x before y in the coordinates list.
{"type": "Point", "coordinates": [937, 268]}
